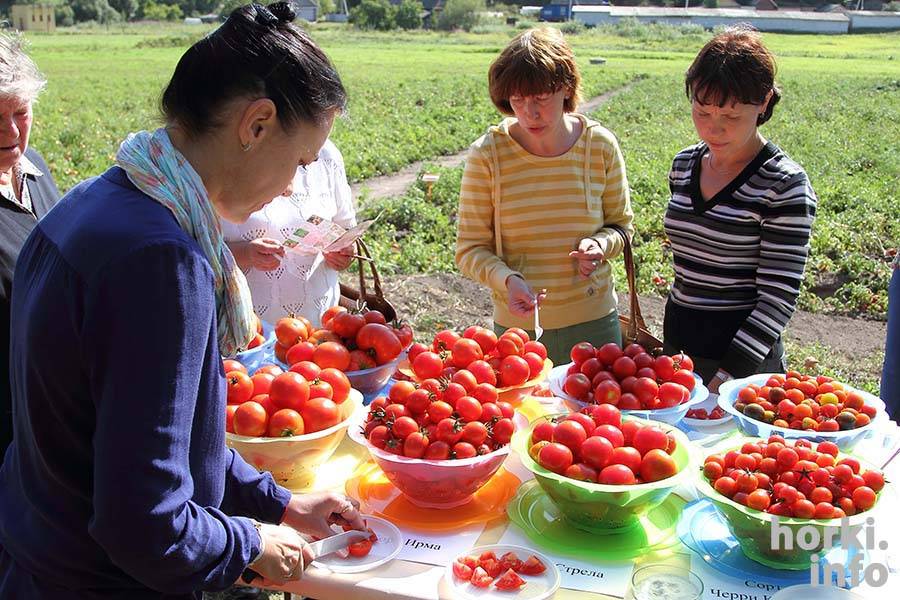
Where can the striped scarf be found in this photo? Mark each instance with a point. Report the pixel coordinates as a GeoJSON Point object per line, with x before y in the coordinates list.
{"type": "Point", "coordinates": [159, 170]}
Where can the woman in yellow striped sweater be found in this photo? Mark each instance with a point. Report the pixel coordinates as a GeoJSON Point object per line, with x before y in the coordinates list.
{"type": "Point", "coordinates": [544, 201]}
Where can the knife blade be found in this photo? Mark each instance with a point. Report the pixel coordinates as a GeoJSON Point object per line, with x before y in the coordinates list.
{"type": "Point", "coordinates": [337, 542]}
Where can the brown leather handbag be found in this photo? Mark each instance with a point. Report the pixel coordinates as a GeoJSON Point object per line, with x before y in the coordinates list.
{"type": "Point", "coordinates": [634, 328]}
{"type": "Point", "coordinates": [374, 300]}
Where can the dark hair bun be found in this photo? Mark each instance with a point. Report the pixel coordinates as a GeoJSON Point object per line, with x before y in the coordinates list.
{"type": "Point", "coordinates": [283, 11]}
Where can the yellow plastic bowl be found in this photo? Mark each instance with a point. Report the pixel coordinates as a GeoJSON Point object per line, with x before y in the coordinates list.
{"type": "Point", "coordinates": [293, 461]}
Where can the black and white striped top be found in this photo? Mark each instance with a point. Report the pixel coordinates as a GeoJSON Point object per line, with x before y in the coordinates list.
{"type": "Point", "coordinates": [742, 252]}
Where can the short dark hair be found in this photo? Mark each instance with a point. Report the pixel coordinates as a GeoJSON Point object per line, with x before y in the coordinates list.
{"type": "Point", "coordinates": [537, 61]}
{"type": "Point", "coordinates": [256, 53]}
{"type": "Point", "coordinates": [734, 66]}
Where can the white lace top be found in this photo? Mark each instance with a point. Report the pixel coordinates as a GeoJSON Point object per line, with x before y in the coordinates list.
{"type": "Point", "coordinates": [302, 284]}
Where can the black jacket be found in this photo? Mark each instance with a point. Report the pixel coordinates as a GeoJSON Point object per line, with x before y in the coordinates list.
{"type": "Point", "coordinates": [16, 224]}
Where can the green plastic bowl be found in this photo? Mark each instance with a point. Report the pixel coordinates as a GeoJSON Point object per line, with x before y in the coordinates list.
{"type": "Point", "coordinates": [597, 507]}
{"type": "Point", "coordinates": [753, 528]}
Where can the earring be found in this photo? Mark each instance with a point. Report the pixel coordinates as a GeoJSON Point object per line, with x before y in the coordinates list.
{"type": "Point", "coordinates": [246, 147]}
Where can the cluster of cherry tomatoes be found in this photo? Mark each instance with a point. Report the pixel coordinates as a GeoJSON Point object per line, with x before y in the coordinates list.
{"type": "Point", "coordinates": [797, 401]}
{"type": "Point", "coordinates": [277, 403]}
{"type": "Point", "coordinates": [631, 379]}
{"type": "Point", "coordinates": [506, 361]}
{"type": "Point", "coordinates": [596, 446]}
{"type": "Point", "coordinates": [440, 419]}
{"type": "Point", "coordinates": [482, 570]}
{"type": "Point", "coordinates": [348, 340]}
{"type": "Point", "coordinates": [794, 479]}
{"type": "Point", "coordinates": [704, 415]}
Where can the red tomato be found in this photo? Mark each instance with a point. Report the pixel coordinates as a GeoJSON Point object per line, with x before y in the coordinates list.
{"type": "Point", "coordinates": [290, 331]}
{"type": "Point", "coordinates": [468, 408]}
{"type": "Point", "coordinates": [503, 430]}
{"type": "Point", "coordinates": [340, 384]}
{"type": "Point", "coordinates": [626, 456]}
{"type": "Point", "coordinates": [465, 351]}
{"type": "Point", "coordinates": [463, 450]}
{"type": "Point", "coordinates": [555, 457]}
{"type": "Point", "coordinates": [514, 370]}
{"type": "Point", "coordinates": [685, 378]}
{"type": "Point", "coordinates": [608, 353]}
{"type": "Point", "coordinates": [240, 387]}
{"type": "Point", "coordinates": [543, 431]}
{"type": "Point", "coordinates": [683, 361]}
{"type": "Point", "coordinates": [261, 383]}
{"type": "Point", "coordinates": [650, 438]}
{"type": "Point", "coordinates": [415, 445]}
{"type": "Point", "coordinates": [646, 389]}
{"type": "Point", "coordinates": [657, 465]}
{"type": "Point", "coordinates": [415, 350]}
{"type": "Point", "coordinates": [270, 369]}
{"type": "Point", "coordinates": [670, 394]}
{"type": "Point", "coordinates": [664, 367]}
{"type": "Point", "coordinates": [483, 372]}
{"type": "Point", "coordinates": [465, 378]}
{"type": "Point", "coordinates": [285, 423]}
{"type": "Point", "coordinates": [535, 364]}
{"type": "Point", "coordinates": [606, 414]}
{"type": "Point", "coordinates": [360, 361]}
{"type": "Point", "coordinates": [304, 351]}
{"type": "Point", "coordinates": [474, 433]}
{"type": "Point", "coordinates": [623, 367]}
{"type": "Point", "coordinates": [229, 417]}
{"type": "Point", "coordinates": [578, 386]}
{"type": "Point", "coordinates": [536, 347]}
{"type": "Point", "coordinates": [319, 414]}
{"type": "Point", "coordinates": [596, 451]}
{"type": "Point", "coordinates": [438, 411]}
{"type": "Point", "coordinates": [229, 364]}
{"type": "Point", "coordinates": [616, 475]}
{"type": "Point", "coordinates": [444, 340]}
{"type": "Point", "coordinates": [320, 389]}
{"type": "Point", "coordinates": [289, 390]}
{"type": "Point", "coordinates": [346, 324]}
{"type": "Point", "coordinates": [510, 561]}
{"type": "Point", "coordinates": [427, 365]}
{"type": "Point", "coordinates": [613, 434]}
{"type": "Point", "coordinates": [250, 419]}
{"type": "Point", "coordinates": [607, 392]}
{"type": "Point", "coordinates": [864, 498]}
{"type": "Point", "coordinates": [583, 419]}
{"type": "Point", "coordinates": [308, 369]}
{"type": "Point", "coordinates": [375, 316]}
{"type": "Point", "coordinates": [570, 434]}
{"type": "Point", "coordinates": [332, 354]}
{"type": "Point", "coordinates": [486, 339]}
{"type": "Point", "coordinates": [437, 450]}
{"type": "Point", "coordinates": [330, 313]}
{"type": "Point", "coordinates": [380, 338]}
{"type": "Point", "coordinates": [582, 351]}
{"type": "Point", "coordinates": [403, 331]}
{"type": "Point", "coordinates": [510, 580]}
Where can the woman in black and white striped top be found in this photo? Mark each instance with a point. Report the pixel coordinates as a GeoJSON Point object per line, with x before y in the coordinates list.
{"type": "Point", "coordinates": [738, 220]}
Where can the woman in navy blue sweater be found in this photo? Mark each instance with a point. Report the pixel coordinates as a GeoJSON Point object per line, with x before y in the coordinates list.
{"type": "Point", "coordinates": [118, 483]}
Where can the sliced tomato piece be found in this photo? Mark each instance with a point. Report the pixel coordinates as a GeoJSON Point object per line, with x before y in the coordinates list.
{"type": "Point", "coordinates": [480, 578]}
{"type": "Point", "coordinates": [470, 561]}
{"type": "Point", "coordinates": [510, 560]}
{"type": "Point", "coordinates": [489, 555]}
{"type": "Point", "coordinates": [509, 581]}
{"type": "Point", "coordinates": [492, 567]}
{"type": "Point", "coordinates": [360, 549]}
{"type": "Point", "coordinates": [532, 566]}
{"type": "Point", "coordinates": [462, 571]}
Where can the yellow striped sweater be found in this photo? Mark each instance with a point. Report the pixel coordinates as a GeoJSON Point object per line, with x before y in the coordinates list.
{"type": "Point", "coordinates": [547, 206]}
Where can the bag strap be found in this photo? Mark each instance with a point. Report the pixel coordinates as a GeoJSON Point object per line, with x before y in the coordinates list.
{"type": "Point", "coordinates": [636, 321]}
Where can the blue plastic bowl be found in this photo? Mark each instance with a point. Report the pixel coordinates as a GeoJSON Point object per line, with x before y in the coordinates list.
{"type": "Point", "coordinates": [262, 354]}
{"type": "Point", "coordinates": [728, 393]}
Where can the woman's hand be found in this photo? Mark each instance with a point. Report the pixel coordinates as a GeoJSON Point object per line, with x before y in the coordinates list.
{"type": "Point", "coordinates": [262, 254]}
{"type": "Point", "coordinates": [315, 513]}
{"type": "Point", "coordinates": [589, 256]}
{"type": "Point", "coordinates": [285, 555]}
{"type": "Point", "coordinates": [522, 300]}
{"type": "Point", "coordinates": [339, 260]}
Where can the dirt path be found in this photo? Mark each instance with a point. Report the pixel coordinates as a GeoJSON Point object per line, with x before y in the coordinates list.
{"type": "Point", "coordinates": [395, 184]}
{"type": "Point", "coordinates": [433, 302]}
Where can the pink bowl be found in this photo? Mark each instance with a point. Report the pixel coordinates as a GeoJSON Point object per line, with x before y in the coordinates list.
{"type": "Point", "coordinates": [432, 483]}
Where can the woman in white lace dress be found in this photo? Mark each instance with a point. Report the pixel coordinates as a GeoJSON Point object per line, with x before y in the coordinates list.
{"type": "Point", "coordinates": [288, 282]}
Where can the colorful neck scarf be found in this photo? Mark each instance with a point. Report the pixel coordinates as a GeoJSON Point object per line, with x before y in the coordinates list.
{"type": "Point", "coordinates": [159, 170]}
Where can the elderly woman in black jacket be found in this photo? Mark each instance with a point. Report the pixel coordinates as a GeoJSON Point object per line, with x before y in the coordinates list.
{"type": "Point", "coordinates": [27, 190]}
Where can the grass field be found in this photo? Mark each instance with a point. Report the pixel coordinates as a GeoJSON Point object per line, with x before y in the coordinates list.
{"type": "Point", "coordinates": [419, 95]}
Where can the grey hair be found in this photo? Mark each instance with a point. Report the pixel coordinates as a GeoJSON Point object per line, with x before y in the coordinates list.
{"type": "Point", "coordinates": [19, 76]}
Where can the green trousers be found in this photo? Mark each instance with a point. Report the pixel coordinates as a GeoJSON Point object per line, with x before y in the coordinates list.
{"type": "Point", "coordinates": [559, 342]}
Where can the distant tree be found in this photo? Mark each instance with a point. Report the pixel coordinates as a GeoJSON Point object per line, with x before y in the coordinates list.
{"type": "Point", "coordinates": [229, 5]}
{"type": "Point", "coordinates": [65, 16]}
{"type": "Point", "coordinates": [409, 14]}
{"type": "Point", "coordinates": [162, 12]}
{"type": "Point", "coordinates": [327, 7]}
{"type": "Point", "coordinates": [94, 10]}
{"type": "Point", "coordinates": [460, 14]}
{"type": "Point", "coordinates": [126, 8]}
{"type": "Point", "coordinates": [374, 14]}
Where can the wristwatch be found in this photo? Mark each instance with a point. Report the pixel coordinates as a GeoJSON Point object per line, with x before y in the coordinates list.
{"type": "Point", "coordinates": [723, 375]}
{"type": "Point", "coordinates": [262, 542]}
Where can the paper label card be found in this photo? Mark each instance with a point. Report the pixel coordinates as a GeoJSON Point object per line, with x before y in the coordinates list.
{"type": "Point", "coordinates": [438, 548]}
